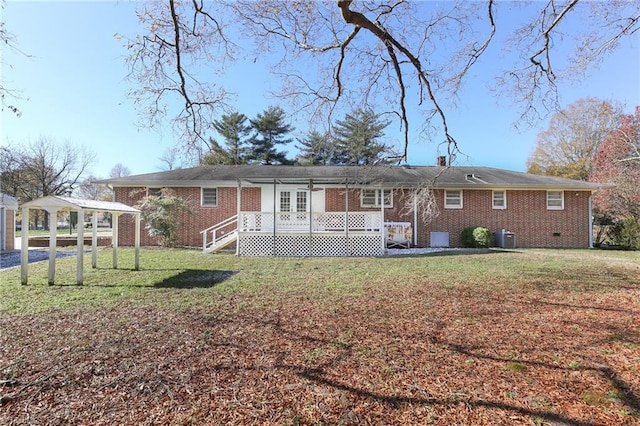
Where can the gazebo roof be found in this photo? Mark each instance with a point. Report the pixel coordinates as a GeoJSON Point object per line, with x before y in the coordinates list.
{"type": "Point", "coordinates": [65, 203]}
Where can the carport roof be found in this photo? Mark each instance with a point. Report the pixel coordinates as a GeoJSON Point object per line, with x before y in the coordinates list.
{"type": "Point", "coordinates": [55, 202]}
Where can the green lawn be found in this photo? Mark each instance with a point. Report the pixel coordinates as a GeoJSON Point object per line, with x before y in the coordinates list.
{"type": "Point", "coordinates": [467, 337]}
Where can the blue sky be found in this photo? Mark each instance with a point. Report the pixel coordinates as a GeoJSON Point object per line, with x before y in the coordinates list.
{"type": "Point", "coordinates": [74, 88]}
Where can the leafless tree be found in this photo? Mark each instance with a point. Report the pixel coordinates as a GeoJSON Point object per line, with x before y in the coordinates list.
{"type": "Point", "coordinates": [8, 96]}
{"type": "Point", "coordinates": [44, 167]}
{"type": "Point", "coordinates": [119, 170]}
{"type": "Point", "coordinates": [170, 159]}
{"type": "Point", "coordinates": [346, 53]}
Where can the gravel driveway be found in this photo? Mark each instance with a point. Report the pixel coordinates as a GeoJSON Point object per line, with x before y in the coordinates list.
{"type": "Point", "coordinates": [11, 259]}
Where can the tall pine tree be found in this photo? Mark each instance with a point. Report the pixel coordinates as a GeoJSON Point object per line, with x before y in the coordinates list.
{"type": "Point", "coordinates": [358, 139]}
{"type": "Point", "coordinates": [235, 131]}
{"type": "Point", "coordinates": [317, 149]}
{"type": "Point", "coordinates": [271, 130]}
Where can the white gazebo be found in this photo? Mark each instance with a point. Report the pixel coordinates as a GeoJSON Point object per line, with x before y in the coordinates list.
{"type": "Point", "coordinates": [54, 204]}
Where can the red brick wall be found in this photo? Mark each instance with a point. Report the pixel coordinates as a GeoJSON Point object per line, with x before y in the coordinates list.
{"type": "Point", "coordinates": [190, 223]}
{"type": "Point", "coordinates": [526, 215]}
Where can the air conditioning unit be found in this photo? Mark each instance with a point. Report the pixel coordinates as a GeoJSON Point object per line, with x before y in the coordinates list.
{"type": "Point", "coordinates": [505, 239]}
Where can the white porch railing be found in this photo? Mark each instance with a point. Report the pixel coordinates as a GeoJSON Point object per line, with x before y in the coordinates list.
{"type": "Point", "coordinates": [309, 222]}
{"type": "Point", "coordinates": [299, 234]}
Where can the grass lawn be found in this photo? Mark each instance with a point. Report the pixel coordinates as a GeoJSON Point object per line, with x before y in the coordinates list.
{"type": "Point", "coordinates": [476, 337]}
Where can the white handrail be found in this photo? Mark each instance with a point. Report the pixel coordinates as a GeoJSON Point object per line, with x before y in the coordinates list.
{"type": "Point", "coordinates": [213, 229]}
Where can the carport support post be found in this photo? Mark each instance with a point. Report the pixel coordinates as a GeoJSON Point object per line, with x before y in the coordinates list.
{"type": "Point", "coordinates": [53, 225]}
{"type": "Point", "coordinates": [94, 240]}
{"type": "Point", "coordinates": [382, 228]}
{"type": "Point", "coordinates": [80, 255]}
{"type": "Point", "coordinates": [24, 247]}
{"type": "Point", "coordinates": [114, 239]}
{"type": "Point", "coordinates": [137, 242]}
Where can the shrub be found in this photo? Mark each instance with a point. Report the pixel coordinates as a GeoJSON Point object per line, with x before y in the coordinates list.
{"type": "Point", "coordinates": [476, 237]}
{"type": "Point", "coordinates": [624, 233]}
{"type": "Point", "coordinates": [630, 233]}
{"type": "Point", "coordinates": [160, 215]}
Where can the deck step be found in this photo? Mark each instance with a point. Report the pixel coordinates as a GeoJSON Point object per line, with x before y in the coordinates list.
{"type": "Point", "coordinates": [222, 242]}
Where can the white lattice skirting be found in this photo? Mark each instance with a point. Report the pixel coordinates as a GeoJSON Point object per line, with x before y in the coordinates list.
{"type": "Point", "coordinates": [317, 244]}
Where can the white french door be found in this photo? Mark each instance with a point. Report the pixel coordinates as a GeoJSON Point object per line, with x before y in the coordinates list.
{"type": "Point", "coordinates": [293, 201]}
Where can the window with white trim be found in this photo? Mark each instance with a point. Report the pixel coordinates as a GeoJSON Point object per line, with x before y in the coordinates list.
{"type": "Point", "coordinates": [372, 197]}
{"type": "Point", "coordinates": [209, 197]}
{"type": "Point", "coordinates": [453, 199]}
{"type": "Point", "coordinates": [499, 200]}
{"type": "Point", "coordinates": [555, 200]}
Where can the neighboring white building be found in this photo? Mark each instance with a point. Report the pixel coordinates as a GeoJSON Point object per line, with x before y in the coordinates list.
{"type": "Point", "coordinates": [8, 208]}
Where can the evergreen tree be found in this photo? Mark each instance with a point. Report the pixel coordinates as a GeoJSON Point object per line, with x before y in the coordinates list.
{"type": "Point", "coordinates": [271, 130]}
{"type": "Point", "coordinates": [317, 149]}
{"type": "Point", "coordinates": [217, 155]}
{"type": "Point", "coordinates": [358, 138]}
{"type": "Point", "coordinates": [235, 131]}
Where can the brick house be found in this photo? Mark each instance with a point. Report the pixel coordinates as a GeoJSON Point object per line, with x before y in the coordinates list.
{"type": "Point", "coordinates": [344, 210]}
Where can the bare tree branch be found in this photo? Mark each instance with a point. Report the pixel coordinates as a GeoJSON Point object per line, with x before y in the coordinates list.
{"type": "Point", "coordinates": [546, 68]}
{"type": "Point", "coordinates": [347, 54]}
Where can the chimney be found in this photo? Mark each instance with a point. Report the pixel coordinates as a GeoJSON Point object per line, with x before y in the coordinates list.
{"type": "Point", "coordinates": [442, 161]}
